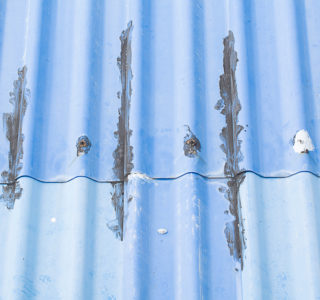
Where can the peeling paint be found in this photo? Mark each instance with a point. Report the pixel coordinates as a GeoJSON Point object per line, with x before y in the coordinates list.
{"type": "Point", "coordinates": [83, 145]}
{"type": "Point", "coordinates": [191, 145]}
{"type": "Point", "coordinates": [229, 106]}
{"type": "Point", "coordinates": [302, 142]}
{"type": "Point", "coordinates": [123, 154]}
{"type": "Point", "coordinates": [116, 225]}
{"type": "Point", "coordinates": [12, 122]}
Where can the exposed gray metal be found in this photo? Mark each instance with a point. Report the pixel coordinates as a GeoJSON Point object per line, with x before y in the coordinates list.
{"type": "Point", "coordinates": [13, 123]}
{"type": "Point", "coordinates": [230, 107]}
{"type": "Point", "coordinates": [123, 155]}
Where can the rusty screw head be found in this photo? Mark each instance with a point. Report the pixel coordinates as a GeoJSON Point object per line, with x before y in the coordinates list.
{"type": "Point", "coordinates": [83, 145]}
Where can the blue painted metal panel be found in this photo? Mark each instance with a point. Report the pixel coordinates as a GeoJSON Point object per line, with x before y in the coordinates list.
{"type": "Point", "coordinates": [282, 231]}
{"type": "Point", "coordinates": [137, 106]}
{"type": "Point", "coordinates": [182, 59]}
{"type": "Point", "coordinates": [55, 243]}
{"type": "Point", "coordinates": [192, 260]}
{"type": "Point", "coordinates": [73, 78]}
{"type": "Point", "coordinates": [71, 50]}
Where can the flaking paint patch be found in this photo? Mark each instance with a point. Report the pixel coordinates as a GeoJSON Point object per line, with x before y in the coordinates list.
{"type": "Point", "coordinates": [229, 106]}
{"type": "Point", "coordinates": [116, 225]}
{"type": "Point", "coordinates": [12, 122]}
{"type": "Point", "coordinates": [123, 154]}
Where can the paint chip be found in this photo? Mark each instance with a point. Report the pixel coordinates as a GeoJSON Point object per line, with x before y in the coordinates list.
{"type": "Point", "coordinates": [162, 231]}
{"type": "Point", "coordinates": [302, 142]}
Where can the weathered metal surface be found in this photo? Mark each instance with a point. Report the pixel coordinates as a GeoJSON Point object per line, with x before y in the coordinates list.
{"type": "Point", "coordinates": [229, 106]}
{"type": "Point", "coordinates": [192, 260]}
{"type": "Point", "coordinates": [177, 62]}
{"type": "Point", "coordinates": [138, 95]}
{"type": "Point", "coordinates": [13, 124]}
{"type": "Point", "coordinates": [55, 243]}
{"type": "Point", "coordinates": [71, 50]}
{"type": "Point", "coordinates": [282, 232]}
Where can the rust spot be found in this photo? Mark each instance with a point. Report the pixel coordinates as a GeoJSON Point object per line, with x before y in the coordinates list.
{"type": "Point", "coordinates": [13, 124]}
{"type": "Point", "coordinates": [83, 145]}
{"type": "Point", "coordinates": [191, 145]}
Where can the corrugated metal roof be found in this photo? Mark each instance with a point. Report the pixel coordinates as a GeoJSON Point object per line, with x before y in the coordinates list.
{"type": "Point", "coordinates": [71, 51]}
{"type": "Point", "coordinates": [281, 223]}
{"type": "Point", "coordinates": [159, 149]}
{"type": "Point", "coordinates": [56, 244]}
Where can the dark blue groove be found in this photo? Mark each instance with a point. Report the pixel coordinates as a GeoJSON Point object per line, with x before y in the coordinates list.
{"type": "Point", "coordinates": [42, 93]}
{"type": "Point", "coordinates": [146, 92]}
{"type": "Point", "coordinates": [3, 5]}
{"type": "Point", "coordinates": [146, 86]}
{"type": "Point", "coordinates": [94, 100]}
{"type": "Point", "coordinates": [200, 107]}
{"type": "Point", "coordinates": [304, 63]}
{"type": "Point", "coordinates": [199, 73]}
{"type": "Point", "coordinates": [251, 72]}
{"type": "Point", "coordinates": [39, 129]}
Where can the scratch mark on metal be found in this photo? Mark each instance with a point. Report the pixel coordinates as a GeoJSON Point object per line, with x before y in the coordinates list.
{"type": "Point", "coordinates": [230, 106]}
{"type": "Point", "coordinates": [191, 145]}
{"type": "Point", "coordinates": [13, 124]}
{"type": "Point", "coordinates": [123, 154]}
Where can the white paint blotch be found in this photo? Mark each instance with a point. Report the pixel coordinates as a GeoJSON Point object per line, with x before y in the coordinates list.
{"type": "Point", "coordinates": [302, 142]}
{"type": "Point", "coordinates": [136, 175]}
{"type": "Point", "coordinates": [162, 231]}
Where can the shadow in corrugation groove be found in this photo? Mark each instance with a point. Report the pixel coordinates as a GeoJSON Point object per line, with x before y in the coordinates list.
{"type": "Point", "coordinates": [307, 91]}
{"type": "Point", "coordinates": [95, 77]}
{"type": "Point", "coordinates": [252, 71]}
{"type": "Point", "coordinates": [39, 129]}
{"type": "Point", "coordinates": [145, 93]}
{"type": "Point", "coordinates": [199, 101]}
{"type": "Point", "coordinates": [3, 5]}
